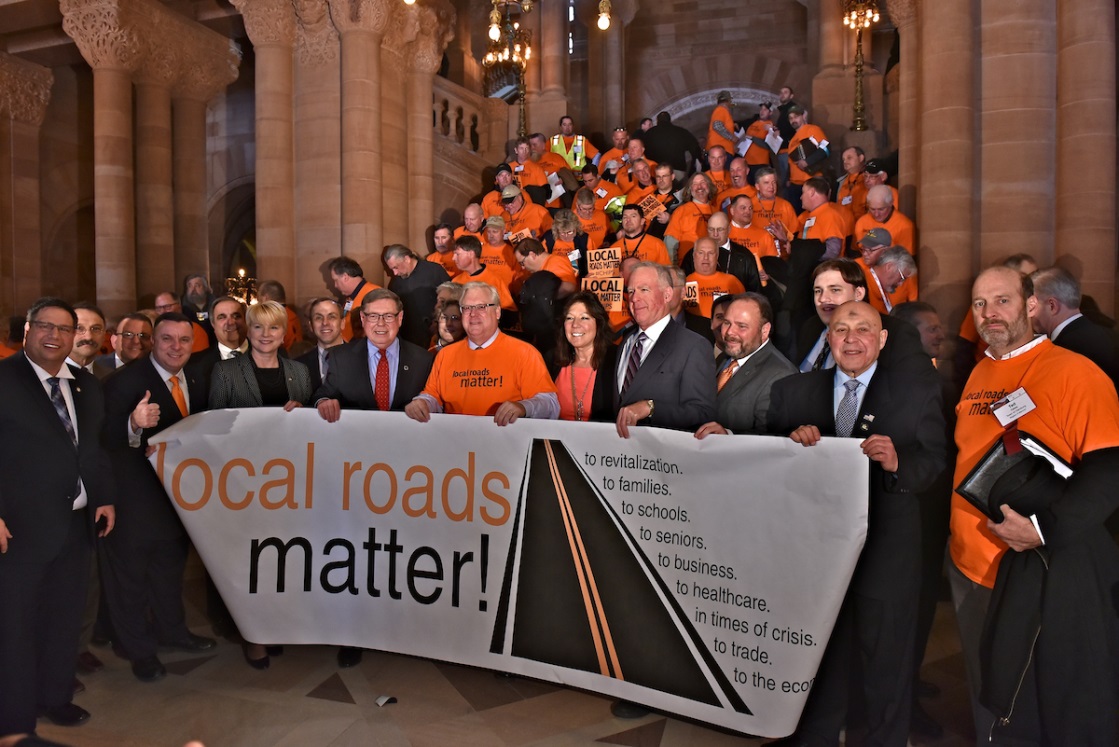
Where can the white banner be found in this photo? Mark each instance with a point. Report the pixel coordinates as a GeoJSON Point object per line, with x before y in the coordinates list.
{"type": "Point", "coordinates": [700, 578]}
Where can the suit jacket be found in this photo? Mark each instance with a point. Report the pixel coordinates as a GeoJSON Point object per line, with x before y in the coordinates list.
{"type": "Point", "coordinates": [907, 408]}
{"type": "Point", "coordinates": [678, 374]}
{"type": "Point", "coordinates": [40, 464]}
{"type": "Point", "coordinates": [310, 359]}
{"type": "Point", "coordinates": [1094, 342]}
{"type": "Point", "coordinates": [743, 404]}
{"type": "Point", "coordinates": [233, 383]}
{"type": "Point", "coordinates": [349, 381]}
{"type": "Point", "coordinates": [902, 353]}
{"type": "Point", "coordinates": [142, 504]}
{"type": "Point", "coordinates": [102, 367]}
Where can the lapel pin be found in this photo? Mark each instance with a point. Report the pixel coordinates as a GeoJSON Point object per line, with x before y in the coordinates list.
{"type": "Point", "coordinates": [868, 418]}
{"type": "Point", "coordinates": [405, 368]}
{"type": "Point", "coordinates": [862, 427]}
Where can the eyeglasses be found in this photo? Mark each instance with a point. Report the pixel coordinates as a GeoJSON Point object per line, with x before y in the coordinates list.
{"type": "Point", "coordinates": [478, 307]}
{"type": "Point", "coordinates": [166, 307]}
{"type": "Point", "coordinates": [47, 327]}
{"type": "Point", "coordinates": [131, 335]}
{"type": "Point", "coordinates": [382, 318]}
{"type": "Point", "coordinates": [94, 330]}
{"type": "Point", "coordinates": [450, 317]}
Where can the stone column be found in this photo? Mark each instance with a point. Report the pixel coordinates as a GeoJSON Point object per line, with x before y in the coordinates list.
{"type": "Point", "coordinates": [1086, 230]}
{"type": "Point", "coordinates": [1018, 85]}
{"type": "Point", "coordinates": [25, 90]}
{"type": "Point", "coordinates": [155, 234]}
{"type": "Point", "coordinates": [397, 204]}
{"type": "Point", "coordinates": [829, 15]}
{"type": "Point", "coordinates": [904, 15]}
{"type": "Point", "coordinates": [361, 24]}
{"type": "Point", "coordinates": [424, 55]}
{"type": "Point", "coordinates": [113, 46]}
{"type": "Point", "coordinates": [211, 67]}
{"type": "Point", "coordinates": [614, 89]}
{"type": "Point", "coordinates": [549, 49]}
{"type": "Point", "coordinates": [318, 146]}
{"type": "Point", "coordinates": [946, 204]}
{"type": "Point", "coordinates": [271, 28]}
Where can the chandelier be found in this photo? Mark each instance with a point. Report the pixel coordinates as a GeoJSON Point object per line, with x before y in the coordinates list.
{"type": "Point", "coordinates": [859, 15]}
{"type": "Point", "coordinates": [510, 45]}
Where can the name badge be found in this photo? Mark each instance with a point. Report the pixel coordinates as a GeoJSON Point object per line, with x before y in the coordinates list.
{"type": "Point", "coordinates": [576, 149]}
{"type": "Point", "coordinates": [600, 192]}
{"type": "Point", "coordinates": [810, 222]}
{"type": "Point", "coordinates": [1013, 406]}
{"type": "Point", "coordinates": [349, 306]}
{"type": "Point", "coordinates": [846, 200]}
{"type": "Point", "coordinates": [519, 169]}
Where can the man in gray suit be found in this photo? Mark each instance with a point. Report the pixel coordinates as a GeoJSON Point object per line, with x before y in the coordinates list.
{"type": "Point", "coordinates": [666, 375]}
{"type": "Point", "coordinates": [747, 368]}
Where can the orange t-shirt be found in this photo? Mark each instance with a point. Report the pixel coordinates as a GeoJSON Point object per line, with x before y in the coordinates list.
{"type": "Point", "coordinates": [728, 194]}
{"type": "Point", "coordinates": [528, 174]}
{"type": "Point", "coordinates": [447, 259]}
{"type": "Point", "coordinates": [755, 238]}
{"type": "Point", "coordinates": [1076, 412]}
{"type": "Point", "coordinates": [352, 309]}
{"type": "Point", "coordinates": [595, 227]}
{"type": "Point", "coordinates": [488, 275]}
{"type": "Point", "coordinates": [501, 260]}
{"type": "Point", "coordinates": [796, 174]}
{"type": "Point", "coordinates": [201, 339]}
{"type": "Point", "coordinates": [559, 265]}
{"type": "Point", "coordinates": [721, 180]}
{"type": "Point", "coordinates": [687, 224]}
{"type": "Point", "coordinates": [850, 196]}
{"type": "Point", "coordinates": [758, 155]}
{"type": "Point", "coordinates": [645, 247]}
{"type": "Point", "coordinates": [778, 209]}
{"type": "Point", "coordinates": [899, 226]}
{"type": "Point", "coordinates": [709, 288]}
{"type": "Point", "coordinates": [625, 175]}
{"type": "Point", "coordinates": [530, 216]}
{"type": "Point", "coordinates": [492, 205]}
{"type": "Point", "coordinates": [823, 223]}
{"type": "Point", "coordinates": [720, 114]}
{"type": "Point", "coordinates": [476, 382]}
{"type": "Point", "coordinates": [292, 335]}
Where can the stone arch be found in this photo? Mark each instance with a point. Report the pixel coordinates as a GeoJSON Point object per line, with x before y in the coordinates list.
{"type": "Point", "coordinates": [232, 217]}
{"type": "Point", "coordinates": [688, 93]}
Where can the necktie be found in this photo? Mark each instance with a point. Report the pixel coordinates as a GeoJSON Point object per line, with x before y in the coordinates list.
{"type": "Point", "coordinates": [324, 365]}
{"type": "Point", "coordinates": [725, 374]}
{"type": "Point", "coordinates": [823, 356]}
{"type": "Point", "coordinates": [848, 409]}
{"type": "Point", "coordinates": [177, 395]}
{"type": "Point", "coordinates": [634, 361]}
{"type": "Point", "coordinates": [381, 390]}
{"type": "Point", "coordinates": [59, 403]}
{"type": "Point", "coordinates": [234, 354]}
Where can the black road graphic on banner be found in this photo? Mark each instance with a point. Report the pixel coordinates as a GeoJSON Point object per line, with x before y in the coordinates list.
{"type": "Point", "coordinates": [579, 593]}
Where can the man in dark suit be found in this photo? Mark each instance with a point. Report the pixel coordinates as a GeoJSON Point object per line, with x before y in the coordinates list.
{"type": "Point", "coordinates": [898, 415]}
{"type": "Point", "coordinates": [147, 555]}
{"type": "Point", "coordinates": [227, 317]}
{"type": "Point", "coordinates": [666, 373]}
{"type": "Point", "coordinates": [326, 325]}
{"type": "Point", "coordinates": [132, 340]}
{"type": "Point", "coordinates": [356, 369]}
{"type": "Point", "coordinates": [1059, 317]}
{"type": "Point", "coordinates": [414, 280]}
{"type": "Point", "coordinates": [835, 282]}
{"type": "Point", "coordinates": [384, 373]}
{"type": "Point", "coordinates": [56, 485]}
{"type": "Point", "coordinates": [748, 367]}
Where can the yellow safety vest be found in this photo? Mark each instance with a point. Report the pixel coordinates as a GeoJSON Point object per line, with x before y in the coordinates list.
{"type": "Point", "coordinates": [576, 157]}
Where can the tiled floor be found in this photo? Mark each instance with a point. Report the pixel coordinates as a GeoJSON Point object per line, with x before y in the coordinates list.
{"type": "Point", "coordinates": [304, 700]}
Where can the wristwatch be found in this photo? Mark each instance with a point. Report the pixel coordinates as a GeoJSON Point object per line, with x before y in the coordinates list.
{"type": "Point", "coordinates": [649, 402]}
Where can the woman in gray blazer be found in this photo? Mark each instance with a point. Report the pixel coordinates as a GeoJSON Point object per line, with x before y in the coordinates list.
{"type": "Point", "coordinates": [261, 378]}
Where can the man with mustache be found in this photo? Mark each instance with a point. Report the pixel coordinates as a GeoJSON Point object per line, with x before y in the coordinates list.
{"type": "Point", "coordinates": [88, 338]}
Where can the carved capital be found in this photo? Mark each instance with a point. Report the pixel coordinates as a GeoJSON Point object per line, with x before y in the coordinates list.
{"type": "Point", "coordinates": [403, 28]}
{"type": "Point", "coordinates": [315, 38]}
{"type": "Point", "coordinates": [104, 32]}
{"type": "Point", "coordinates": [436, 29]}
{"type": "Point", "coordinates": [360, 15]}
{"type": "Point", "coordinates": [268, 21]}
{"type": "Point", "coordinates": [25, 89]}
{"type": "Point", "coordinates": [209, 71]}
{"type": "Point", "coordinates": [902, 12]}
